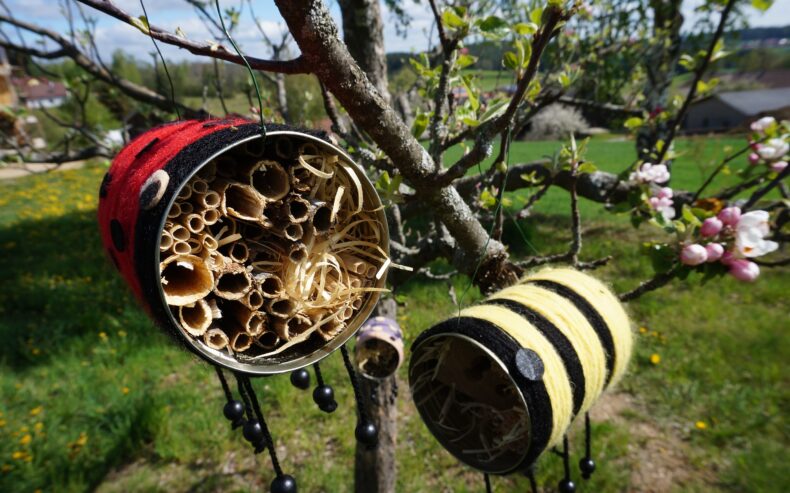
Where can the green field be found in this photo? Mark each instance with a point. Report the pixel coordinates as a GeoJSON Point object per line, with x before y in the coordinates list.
{"type": "Point", "coordinates": [93, 397]}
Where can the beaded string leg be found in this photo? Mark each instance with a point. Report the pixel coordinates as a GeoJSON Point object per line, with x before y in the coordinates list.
{"type": "Point", "coordinates": [566, 485]}
{"type": "Point", "coordinates": [487, 480]}
{"type": "Point", "coordinates": [365, 431]}
{"type": "Point", "coordinates": [233, 410]}
{"type": "Point", "coordinates": [283, 483]}
{"type": "Point", "coordinates": [323, 395]}
{"type": "Point", "coordinates": [300, 379]}
{"type": "Point", "coordinates": [587, 464]}
{"type": "Point", "coordinates": [252, 431]}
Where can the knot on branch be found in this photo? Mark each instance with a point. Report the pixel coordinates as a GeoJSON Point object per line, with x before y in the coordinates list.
{"type": "Point", "coordinates": [497, 272]}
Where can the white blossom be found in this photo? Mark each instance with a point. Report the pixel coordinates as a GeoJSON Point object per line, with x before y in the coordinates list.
{"type": "Point", "coordinates": [773, 149]}
{"type": "Point", "coordinates": [750, 235]}
{"type": "Point", "coordinates": [650, 173]}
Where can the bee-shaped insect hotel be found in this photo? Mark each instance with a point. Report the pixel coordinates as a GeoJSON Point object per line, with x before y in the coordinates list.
{"type": "Point", "coordinates": [501, 382]}
{"type": "Point", "coordinates": [260, 253]}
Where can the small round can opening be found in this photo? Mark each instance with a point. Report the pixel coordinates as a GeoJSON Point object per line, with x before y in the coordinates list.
{"type": "Point", "coordinates": [470, 403]}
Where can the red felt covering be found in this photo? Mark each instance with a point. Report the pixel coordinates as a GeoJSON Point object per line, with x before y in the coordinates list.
{"type": "Point", "coordinates": [128, 173]}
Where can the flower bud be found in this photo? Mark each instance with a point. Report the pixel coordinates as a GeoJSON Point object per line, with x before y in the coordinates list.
{"type": "Point", "coordinates": [778, 166]}
{"type": "Point", "coordinates": [715, 251]}
{"type": "Point", "coordinates": [730, 216]}
{"type": "Point", "coordinates": [754, 158]}
{"type": "Point", "coordinates": [693, 254]}
{"type": "Point", "coordinates": [744, 270]}
{"type": "Point", "coordinates": [711, 227]}
{"type": "Point", "coordinates": [727, 258]}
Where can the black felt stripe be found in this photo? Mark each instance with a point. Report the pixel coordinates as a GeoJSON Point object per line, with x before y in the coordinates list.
{"type": "Point", "coordinates": [562, 344]}
{"type": "Point", "coordinates": [591, 314]}
{"type": "Point", "coordinates": [505, 347]}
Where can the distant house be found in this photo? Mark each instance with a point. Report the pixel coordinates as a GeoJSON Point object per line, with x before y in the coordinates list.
{"type": "Point", "coordinates": [7, 92]}
{"type": "Point", "coordinates": [38, 92]}
{"type": "Point", "coordinates": [735, 110]}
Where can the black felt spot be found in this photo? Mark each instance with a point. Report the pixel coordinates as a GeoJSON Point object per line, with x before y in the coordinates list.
{"type": "Point", "coordinates": [147, 147]}
{"type": "Point", "coordinates": [118, 238]}
{"type": "Point", "coordinates": [105, 182]}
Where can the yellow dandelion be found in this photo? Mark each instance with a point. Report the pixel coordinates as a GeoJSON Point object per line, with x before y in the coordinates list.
{"type": "Point", "coordinates": [3, 423]}
{"type": "Point", "coordinates": [643, 330]}
{"type": "Point", "coordinates": [38, 426]}
{"type": "Point", "coordinates": [18, 455]}
{"type": "Point", "coordinates": [701, 425]}
{"type": "Point", "coordinates": [103, 336]}
{"type": "Point", "coordinates": [125, 390]}
{"type": "Point", "coordinates": [82, 439]}
{"type": "Point", "coordinates": [121, 333]}
{"type": "Point", "coordinates": [25, 439]}
{"type": "Point", "coordinates": [36, 410]}
{"type": "Point", "coordinates": [655, 358]}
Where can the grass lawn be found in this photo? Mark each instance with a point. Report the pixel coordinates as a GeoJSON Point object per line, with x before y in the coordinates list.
{"type": "Point", "coordinates": [93, 397]}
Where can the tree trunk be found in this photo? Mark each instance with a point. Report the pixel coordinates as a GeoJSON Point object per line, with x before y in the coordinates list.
{"type": "Point", "coordinates": [363, 33]}
{"type": "Point", "coordinates": [375, 470]}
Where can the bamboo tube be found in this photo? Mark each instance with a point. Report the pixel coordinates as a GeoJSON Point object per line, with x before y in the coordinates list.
{"type": "Point", "coordinates": [233, 282]}
{"type": "Point", "coordinates": [240, 342]}
{"type": "Point", "coordinates": [281, 307]}
{"type": "Point", "coordinates": [257, 324]}
{"type": "Point", "coordinates": [181, 248]}
{"type": "Point", "coordinates": [185, 192]}
{"type": "Point", "coordinates": [297, 253]}
{"type": "Point", "coordinates": [208, 241]}
{"type": "Point", "coordinates": [297, 209]}
{"type": "Point", "coordinates": [210, 200]}
{"type": "Point", "coordinates": [185, 279]}
{"type": "Point", "coordinates": [301, 178]}
{"type": "Point", "coordinates": [194, 223]}
{"type": "Point", "coordinates": [329, 330]}
{"type": "Point", "coordinates": [186, 208]}
{"type": "Point", "coordinates": [174, 212]}
{"type": "Point", "coordinates": [287, 329]}
{"type": "Point", "coordinates": [354, 264]}
{"type": "Point", "coordinates": [215, 260]}
{"type": "Point", "coordinates": [254, 147]}
{"type": "Point", "coordinates": [268, 339]}
{"type": "Point", "coordinates": [195, 245]}
{"type": "Point", "coordinates": [270, 284]}
{"type": "Point", "coordinates": [254, 299]}
{"type": "Point", "coordinates": [243, 202]}
{"type": "Point", "coordinates": [195, 318]}
{"type": "Point", "coordinates": [225, 166]}
{"type": "Point", "coordinates": [345, 312]}
{"type": "Point", "coordinates": [239, 252]}
{"type": "Point", "coordinates": [357, 303]}
{"type": "Point", "coordinates": [209, 171]}
{"type": "Point", "coordinates": [322, 219]}
{"type": "Point", "coordinates": [199, 186]}
{"type": "Point", "coordinates": [179, 233]}
{"type": "Point", "coordinates": [166, 242]}
{"type": "Point", "coordinates": [216, 339]}
{"type": "Point", "coordinates": [293, 232]}
{"type": "Point", "coordinates": [215, 311]}
{"type": "Point", "coordinates": [284, 148]}
{"type": "Point", "coordinates": [270, 179]}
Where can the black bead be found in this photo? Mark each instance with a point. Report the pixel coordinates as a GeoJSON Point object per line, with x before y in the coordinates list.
{"type": "Point", "coordinates": [566, 486]}
{"type": "Point", "coordinates": [366, 434]}
{"type": "Point", "coordinates": [324, 396]}
{"type": "Point", "coordinates": [253, 432]}
{"type": "Point", "coordinates": [233, 410]}
{"type": "Point", "coordinates": [300, 379]}
{"type": "Point", "coordinates": [587, 467]}
{"type": "Point", "coordinates": [283, 484]}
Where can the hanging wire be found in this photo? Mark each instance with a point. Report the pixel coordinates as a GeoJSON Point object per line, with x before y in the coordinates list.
{"type": "Point", "coordinates": [224, 382]}
{"type": "Point", "coordinates": [249, 68]}
{"type": "Point", "coordinates": [352, 375]}
{"type": "Point", "coordinates": [491, 229]}
{"type": "Point", "coordinates": [164, 63]}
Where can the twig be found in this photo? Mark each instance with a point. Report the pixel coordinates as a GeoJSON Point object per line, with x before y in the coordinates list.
{"type": "Point", "coordinates": [757, 195]}
{"type": "Point", "coordinates": [721, 167]}
{"type": "Point", "coordinates": [657, 281]}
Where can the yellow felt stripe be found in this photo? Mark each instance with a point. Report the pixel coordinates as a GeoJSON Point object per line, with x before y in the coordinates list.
{"type": "Point", "coordinates": [574, 325]}
{"type": "Point", "coordinates": [605, 303]}
{"type": "Point", "coordinates": [555, 378]}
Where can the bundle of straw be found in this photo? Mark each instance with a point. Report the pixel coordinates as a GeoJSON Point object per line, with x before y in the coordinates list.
{"type": "Point", "coordinates": [265, 251]}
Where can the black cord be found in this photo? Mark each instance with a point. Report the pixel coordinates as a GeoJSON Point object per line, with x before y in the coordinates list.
{"type": "Point", "coordinates": [587, 436]}
{"type": "Point", "coordinates": [488, 482]}
{"type": "Point", "coordinates": [566, 458]}
{"type": "Point", "coordinates": [318, 377]}
{"type": "Point", "coordinates": [352, 375]}
{"type": "Point", "coordinates": [224, 382]}
{"type": "Point", "coordinates": [244, 397]}
{"type": "Point", "coordinates": [532, 483]}
{"type": "Point", "coordinates": [266, 433]}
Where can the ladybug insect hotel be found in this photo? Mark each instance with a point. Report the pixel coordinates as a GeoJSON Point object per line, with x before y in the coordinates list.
{"type": "Point", "coordinates": [502, 382]}
{"type": "Point", "coordinates": [260, 253]}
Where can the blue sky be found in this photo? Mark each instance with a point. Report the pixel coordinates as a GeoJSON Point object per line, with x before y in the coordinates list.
{"type": "Point", "coordinates": [112, 34]}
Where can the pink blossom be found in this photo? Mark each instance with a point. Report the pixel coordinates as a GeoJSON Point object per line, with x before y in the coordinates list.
{"type": "Point", "coordinates": [693, 254]}
{"type": "Point", "coordinates": [662, 203]}
{"type": "Point", "coordinates": [744, 270]}
{"type": "Point", "coordinates": [711, 227]}
{"type": "Point", "coordinates": [715, 251]}
{"type": "Point", "coordinates": [730, 216]}
{"type": "Point", "coordinates": [650, 173]}
{"type": "Point", "coordinates": [773, 149]}
{"type": "Point", "coordinates": [664, 193]}
{"type": "Point", "coordinates": [754, 158]}
{"type": "Point", "coordinates": [728, 258]}
{"type": "Point", "coordinates": [778, 166]}
{"type": "Point", "coordinates": [762, 124]}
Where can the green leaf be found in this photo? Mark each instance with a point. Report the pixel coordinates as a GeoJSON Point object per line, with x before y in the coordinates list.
{"type": "Point", "coordinates": [633, 123]}
{"type": "Point", "coordinates": [487, 199]}
{"type": "Point", "coordinates": [465, 60]}
{"type": "Point", "coordinates": [587, 167]}
{"type": "Point", "coordinates": [453, 20]}
{"type": "Point", "coordinates": [491, 23]}
{"type": "Point", "coordinates": [525, 28]}
{"type": "Point", "coordinates": [141, 23]}
{"type": "Point", "coordinates": [536, 15]}
{"type": "Point", "coordinates": [494, 109]}
{"type": "Point", "coordinates": [689, 217]}
{"type": "Point", "coordinates": [420, 124]}
{"type": "Point", "coordinates": [762, 5]}
{"type": "Point", "coordinates": [473, 101]}
{"type": "Point", "coordinates": [511, 61]}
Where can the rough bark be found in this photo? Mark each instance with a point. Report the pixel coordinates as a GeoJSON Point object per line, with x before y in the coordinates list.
{"type": "Point", "coordinates": [363, 33]}
{"type": "Point", "coordinates": [375, 469]}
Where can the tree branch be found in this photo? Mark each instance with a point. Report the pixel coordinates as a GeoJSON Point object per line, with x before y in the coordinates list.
{"type": "Point", "coordinates": [659, 280]}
